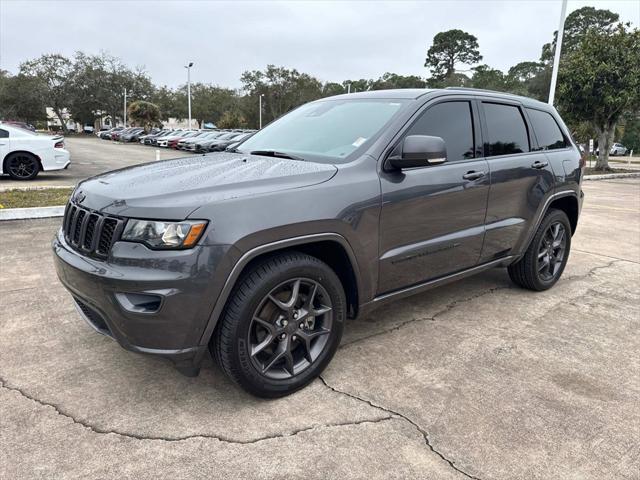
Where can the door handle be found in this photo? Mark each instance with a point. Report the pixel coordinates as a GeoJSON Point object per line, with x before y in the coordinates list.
{"type": "Point", "coordinates": [473, 175]}
{"type": "Point", "coordinates": [538, 164]}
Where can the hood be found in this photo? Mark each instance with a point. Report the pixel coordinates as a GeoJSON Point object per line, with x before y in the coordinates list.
{"type": "Point", "coordinates": [172, 189]}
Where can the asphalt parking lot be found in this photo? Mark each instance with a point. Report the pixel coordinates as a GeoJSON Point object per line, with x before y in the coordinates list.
{"type": "Point", "coordinates": [91, 156]}
{"type": "Point", "coordinates": [477, 379]}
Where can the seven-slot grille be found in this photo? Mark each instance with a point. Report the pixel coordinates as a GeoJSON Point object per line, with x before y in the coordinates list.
{"type": "Point", "coordinates": [90, 232]}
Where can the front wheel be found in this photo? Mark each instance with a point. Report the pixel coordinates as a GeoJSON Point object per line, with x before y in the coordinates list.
{"type": "Point", "coordinates": [547, 255]}
{"type": "Point", "coordinates": [281, 326]}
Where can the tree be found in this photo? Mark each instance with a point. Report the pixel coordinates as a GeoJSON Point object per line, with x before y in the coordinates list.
{"type": "Point", "coordinates": [576, 26]}
{"type": "Point", "coordinates": [330, 89]}
{"type": "Point", "coordinates": [488, 78]}
{"type": "Point", "coordinates": [283, 90]}
{"type": "Point", "coordinates": [631, 136]}
{"type": "Point", "coordinates": [450, 48]}
{"type": "Point", "coordinates": [167, 102]}
{"type": "Point", "coordinates": [98, 83]}
{"type": "Point", "coordinates": [209, 102]}
{"type": "Point", "coordinates": [22, 98]}
{"type": "Point", "coordinates": [393, 80]}
{"type": "Point", "coordinates": [231, 119]}
{"type": "Point", "coordinates": [144, 114]}
{"type": "Point", "coordinates": [54, 71]}
{"type": "Point", "coordinates": [600, 82]}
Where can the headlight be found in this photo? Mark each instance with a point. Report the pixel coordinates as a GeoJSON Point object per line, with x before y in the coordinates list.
{"type": "Point", "coordinates": [162, 235]}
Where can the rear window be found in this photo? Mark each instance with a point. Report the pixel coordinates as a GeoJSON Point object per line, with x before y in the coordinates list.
{"type": "Point", "coordinates": [547, 131]}
{"type": "Point", "coordinates": [4, 133]}
{"type": "Point", "coordinates": [506, 130]}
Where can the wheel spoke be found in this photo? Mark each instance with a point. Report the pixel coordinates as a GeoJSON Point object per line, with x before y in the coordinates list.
{"type": "Point", "coordinates": [270, 327]}
{"type": "Point", "coordinates": [543, 265]}
{"type": "Point", "coordinates": [559, 239]}
{"type": "Point", "coordinates": [292, 300]}
{"type": "Point", "coordinates": [277, 355]}
{"type": "Point", "coordinates": [316, 312]}
{"type": "Point", "coordinates": [307, 337]}
{"type": "Point", "coordinates": [262, 345]}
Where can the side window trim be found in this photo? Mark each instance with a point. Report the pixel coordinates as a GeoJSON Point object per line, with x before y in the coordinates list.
{"type": "Point", "coordinates": [438, 101]}
{"type": "Point", "coordinates": [485, 133]}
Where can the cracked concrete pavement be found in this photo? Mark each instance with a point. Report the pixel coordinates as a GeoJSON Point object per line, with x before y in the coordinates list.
{"type": "Point", "coordinates": [477, 379]}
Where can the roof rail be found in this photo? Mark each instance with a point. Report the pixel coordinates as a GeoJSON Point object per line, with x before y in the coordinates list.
{"type": "Point", "coordinates": [484, 90]}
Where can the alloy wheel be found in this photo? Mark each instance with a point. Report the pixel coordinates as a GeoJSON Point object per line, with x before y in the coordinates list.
{"type": "Point", "coordinates": [22, 166]}
{"type": "Point", "coordinates": [552, 251]}
{"type": "Point", "coordinates": [290, 328]}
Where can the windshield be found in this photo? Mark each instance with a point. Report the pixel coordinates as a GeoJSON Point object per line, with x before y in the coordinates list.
{"type": "Point", "coordinates": [325, 131]}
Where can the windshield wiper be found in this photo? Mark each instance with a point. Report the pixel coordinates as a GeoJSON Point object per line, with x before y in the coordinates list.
{"type": "Point", "coordinates": [274, 153]}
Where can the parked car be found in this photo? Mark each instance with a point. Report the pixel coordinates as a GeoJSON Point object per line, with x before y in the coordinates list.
{"type": "Point", "coordinates": [344, 204]}
{"type": "Point", "coordinates": [132, 135]}
{"type": "Point", "coordinates": [177, 134]}
{"type": "Point", "coordinates": [618, 149]}
{"type": "Point", "coordinates": [189, 143]}
{"type": "Point", "coordinates": [151, 139]}
{"type": "Point", "coordinates": [223, 144]}
{"type": "Point", "coordinates": [208, 144]}
{"type": "Point", "coordinates": [88, 128]}
{"type": "Point", "coordinates": [106, 135]}
{"type": "Point", "coordinates": [103, 129]}
{"type": "Point", "coordinates": [116, 136]}
{"type": "Point", "coordinates": [25, 153]}
{"type": "Point", "coordinates": [174, 140]}
{"type": "Point", "coordinates": [151, 133]}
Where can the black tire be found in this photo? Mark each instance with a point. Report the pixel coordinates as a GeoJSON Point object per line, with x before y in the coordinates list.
{"type": "Point", "coordinates": [241, 330]}
{"type": "Point", "coordinates": [541, 267]}
{"type": "Point", "coordinates": [21, 166]}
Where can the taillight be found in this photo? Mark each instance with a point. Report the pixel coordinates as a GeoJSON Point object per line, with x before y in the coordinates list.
{"type": "Point", "coordinates": [59, 144]}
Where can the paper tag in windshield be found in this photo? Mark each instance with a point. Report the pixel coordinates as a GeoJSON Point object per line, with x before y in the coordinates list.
{"type": "Point", "coordinates": [359, 141]}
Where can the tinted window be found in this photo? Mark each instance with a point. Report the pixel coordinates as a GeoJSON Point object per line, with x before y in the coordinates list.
{"type": "Point", "coordinates": [452, 121]}
{"type": "Point", "coordinates": [546, 129]}
{"type": "Point", "coordinates": [4, 134]}
{"type": "Point", "coordinates": [506, 130]}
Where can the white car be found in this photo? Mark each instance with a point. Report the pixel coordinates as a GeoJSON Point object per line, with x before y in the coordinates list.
{"type": "Point", "coordinates": [618, 149]}
{"type": "Point", "coordinates": [24, 153]}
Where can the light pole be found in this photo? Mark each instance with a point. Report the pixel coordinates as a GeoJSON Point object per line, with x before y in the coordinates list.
{"type": "Point", "coordinates": [188, 67]}
{"type": "Point", "coordinates": [125, 109]}
{"type": "Point", "coordinates": [260, 109]}
{"type": "Point", "coordinates": [556, 57]}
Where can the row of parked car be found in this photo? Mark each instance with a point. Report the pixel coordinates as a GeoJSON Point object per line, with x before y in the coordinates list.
{"type": "Point", "coordinates": [198, 141]}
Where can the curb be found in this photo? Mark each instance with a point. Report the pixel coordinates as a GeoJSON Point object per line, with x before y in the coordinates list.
{"type": "Point", "coordinates": [32, 212]}
{"type": "Point", "coordinates": [607, 176]}
{"type": "Point", "coordinates": [27, 188]}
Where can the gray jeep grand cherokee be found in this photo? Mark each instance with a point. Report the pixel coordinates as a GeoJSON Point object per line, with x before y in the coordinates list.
{"type": "Point", "coordinates": [260, 254]}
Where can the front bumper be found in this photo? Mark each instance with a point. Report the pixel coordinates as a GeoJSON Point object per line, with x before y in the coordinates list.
{"type": "Point", "coordinates": [179, 280]}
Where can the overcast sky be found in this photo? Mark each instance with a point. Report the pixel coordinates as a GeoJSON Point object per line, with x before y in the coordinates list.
{"type": "Point", "coordinates": [333, 41]}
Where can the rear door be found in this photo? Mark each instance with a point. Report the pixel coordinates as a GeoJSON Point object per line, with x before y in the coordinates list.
{"type": "Point", "coordinates": [432, 217]}
{"type": "Point", "coordinates": [521, 177]}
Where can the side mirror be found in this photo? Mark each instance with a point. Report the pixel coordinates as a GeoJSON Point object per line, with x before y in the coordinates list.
{"type": "Point", "coordinates": [418, 151]}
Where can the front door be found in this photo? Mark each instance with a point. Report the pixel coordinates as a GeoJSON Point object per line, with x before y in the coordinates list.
{"type": "Point", "coordinates": [432, 218]}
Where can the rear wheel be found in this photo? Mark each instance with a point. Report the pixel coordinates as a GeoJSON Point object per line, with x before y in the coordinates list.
{"type": "Point", "coordinates": [547, 255]}
{"type": "Point", "coordinates": [22, 166]}
{"type": "Point", "coordinates": [281, 326]}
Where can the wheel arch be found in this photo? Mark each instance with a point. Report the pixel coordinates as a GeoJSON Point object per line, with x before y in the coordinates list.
{"type": "Point", "coordinates": [331, 248]}
{"type": "Point", "coordinates": [6, 157]}
{"type": "Point", "coordinates": [569, 205]}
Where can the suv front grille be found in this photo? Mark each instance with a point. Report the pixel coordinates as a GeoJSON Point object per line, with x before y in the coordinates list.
{"type": "Point", "coordinates": [90, 232]}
